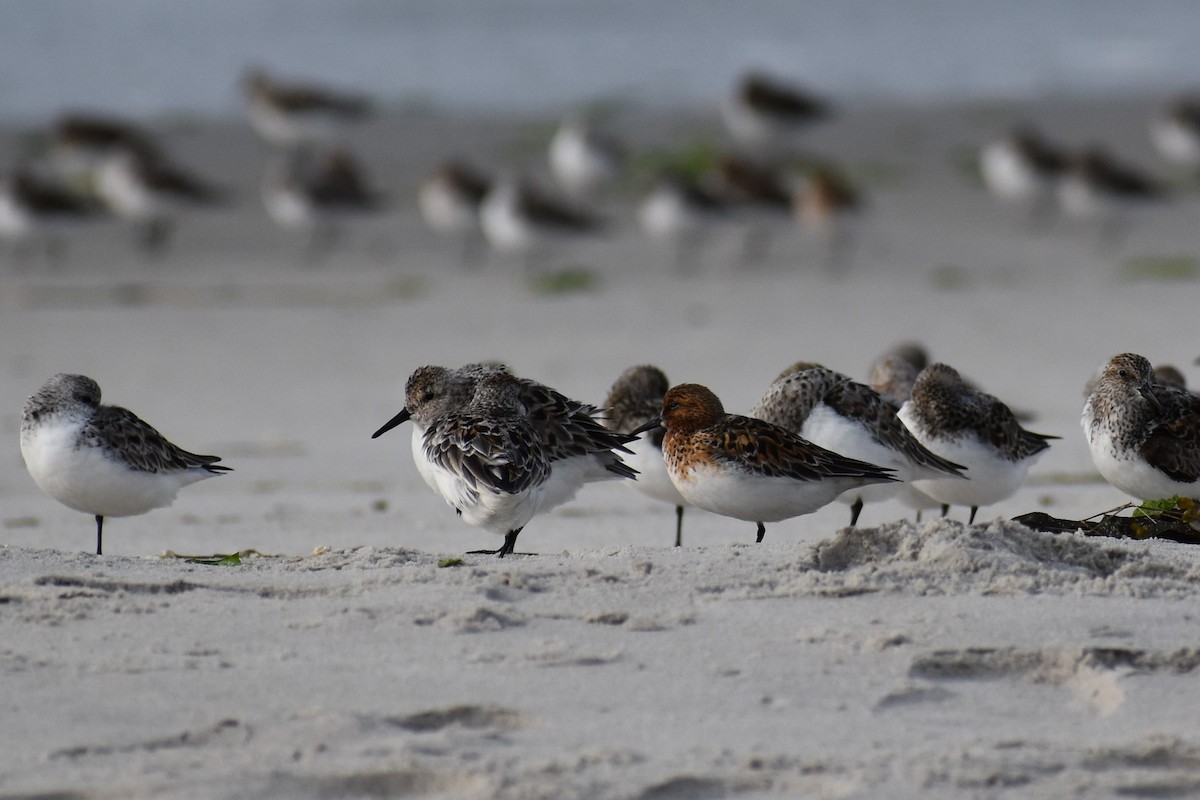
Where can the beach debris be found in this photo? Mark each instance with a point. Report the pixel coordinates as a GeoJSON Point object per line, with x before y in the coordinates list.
{"type": "Point", "coordinates": [1174, 518]}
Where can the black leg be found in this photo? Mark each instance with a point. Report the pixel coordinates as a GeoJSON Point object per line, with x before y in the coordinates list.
{"type": "Point", "coordinates": [679, 526]}
{"type": "Point", "coordinates": [762, 529]}
{"type": "Point", "coordinates": [510, 542]}
{"type": "Point", "coordinates": [855, 510]}
{"type": "Point", "coordinates": [945, 509]}
{"type": "Point", "coordinates": [155, 235]}
{"type": "Point", "coordinates": [971, 521]}
{"type": "Point", "coordinates": [918, 515]}
{"type": "Point", "coordinates": [99, 533]}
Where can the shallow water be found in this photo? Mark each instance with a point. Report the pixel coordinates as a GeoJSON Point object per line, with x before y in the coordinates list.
{"type": "Point", "coordinates": [145, 57]}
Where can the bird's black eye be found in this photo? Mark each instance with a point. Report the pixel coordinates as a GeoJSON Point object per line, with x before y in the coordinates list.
{"type": "Point", "coordinates": [1121, 373]}
{"type": "Point", "coordinates": [671, 406]}
{"type": "Point", "coordinates": [426, 397]}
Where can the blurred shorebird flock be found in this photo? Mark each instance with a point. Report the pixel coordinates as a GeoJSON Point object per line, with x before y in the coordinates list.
{"type": "Point", "coordinates": [761, 177]}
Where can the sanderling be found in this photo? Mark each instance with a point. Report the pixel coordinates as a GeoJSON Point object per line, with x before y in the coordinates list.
{"type": "Point", "coordinates": [578, 448]}
{"type": "Point", "coordinates": [318, 194]}
{"type": "Point", "coordinates": [102, 460]}
{"type": "Point", "coordinates": [758, 193]}
{"type": "Point", "coordinates": [635, 399]}
{"type": "Point", "coordinates": [1097, 187]}
{"type": "Point", "coordinates": [827, 204]}
{"type": "Point", "coordinates": [81, 142]}
{"type": "Point", "coordinates": [894, 372]}
{"type": "Point", "coordinates": [148, 190]}
{"type": "Point", "coordinates": [518, 218]}
{"type": "Point", "coordinates": [1023, 167]}
{"type": "Point", "coordinates": [429, 393]}
{"type": "Point", "coordinates": [746, 468]}
{"type": "Point", "coordinates": [449, 200]}
{"type": "Point", "coordinates": [297, 114]}
{"type": "Point", "coordinates": [583, 159]}
{"type": "Point", "coordinates": [1175, 132]}
{"type": "Point", "coordinates": [487, 460]}
{"type": "Point", "coordinates": [1144, 435]}
{"type": "Point", "coordinates": [32, 208]}
{"type": "Point", "coordinates": [833, 411]}
{"type": "Point", "coordinates": [681, 212]}
{"type": "Point", "coordinates": [972, 428]}
{"type": "Point", "coordinates": [581, 450]}
{"type": "Point", "coordinates": [764, 114]}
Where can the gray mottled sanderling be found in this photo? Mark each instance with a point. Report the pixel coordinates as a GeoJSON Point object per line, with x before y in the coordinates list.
{"type": "Point", "coordinates": [1144, 435]}
{"type": "Point", "coordinates": [488, 461]}
{"type": "Point", "coordinates": [974, 429]}
{"type": "Point", "coordinates": [894, 371]}
{"type": "Point", "coordinates": [746, 468]}
{"type": "Point", "coordinates": [102, 460]}
{"type": "Point", "coordinates": [635, 399]}
{"type": "Point", "coordinates": [577, 447]}
{"type": "Point", "coordinates": [833, 411]}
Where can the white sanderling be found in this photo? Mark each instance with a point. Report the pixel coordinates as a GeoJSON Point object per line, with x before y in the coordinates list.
{"type": "Point", "coordinates": [1023, 167]}
{"type": "Point", "coordinates": [578, 448]}
{"type": "Point", "coordinates": [635, 399]}
{"type": "Point", "coordinates": [32, 209]}
{"type": "Point", "coordinates": [833, 411]}
{"type": "Point", "coordinates": [318, 193]}
{"type": "Point", "coordinates": [143, 187]}
{"type": "Point", "coordinates": [1175, 132]}
{"type": "Point", "coordinates": [450, 199]}
{"type": "Point", "coordinates": [972, 428]}
{"type": "Point", "coordinates": [102, 460]}
{"type": "Point", "coordinates": [291, 114]}
{"type": "Point", "coordinates": [521, 219]}
{"type": "Point", "coordinates": [1144, 435]}
{"type": "Point", "coordinates": [746, 468]}
{"type": "Point", "coordinates": [765, 114]}
{"type": "Point", "coordinates": [583, 159]}
{"type": "Point", "coordinates": [1098, 188]}
{"type": "Point", "coordinates": [681, 212]}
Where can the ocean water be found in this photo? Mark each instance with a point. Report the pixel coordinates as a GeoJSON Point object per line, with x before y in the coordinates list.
{"type": "Point", "coordinates": [153, 57]}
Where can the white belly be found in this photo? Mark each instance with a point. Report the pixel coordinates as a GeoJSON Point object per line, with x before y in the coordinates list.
{"type": "Point", "coordinates": [1132, 475]}
{"type": "Point", "coordinates": [754, 498]}
{"type": "Point", "coordinates": [827, 428]}
{"type": "Point", "coordinates": [1008, 175]}
{"type": "Point", "coordinates": [88, 479]}
{"type": "Point", "coordinates": [445, 211]}
{"type": "Point", "coordinates": [652, 480]}
{"type": "Point", "coordinates": [497, 512]}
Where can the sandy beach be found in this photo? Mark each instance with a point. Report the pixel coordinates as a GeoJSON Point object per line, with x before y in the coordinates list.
{"type": "Point", "coordinates": [347, 657]}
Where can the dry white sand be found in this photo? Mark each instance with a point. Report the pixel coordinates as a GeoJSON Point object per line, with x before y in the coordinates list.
{"type": "Point", "coordinates": [933, 660]}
